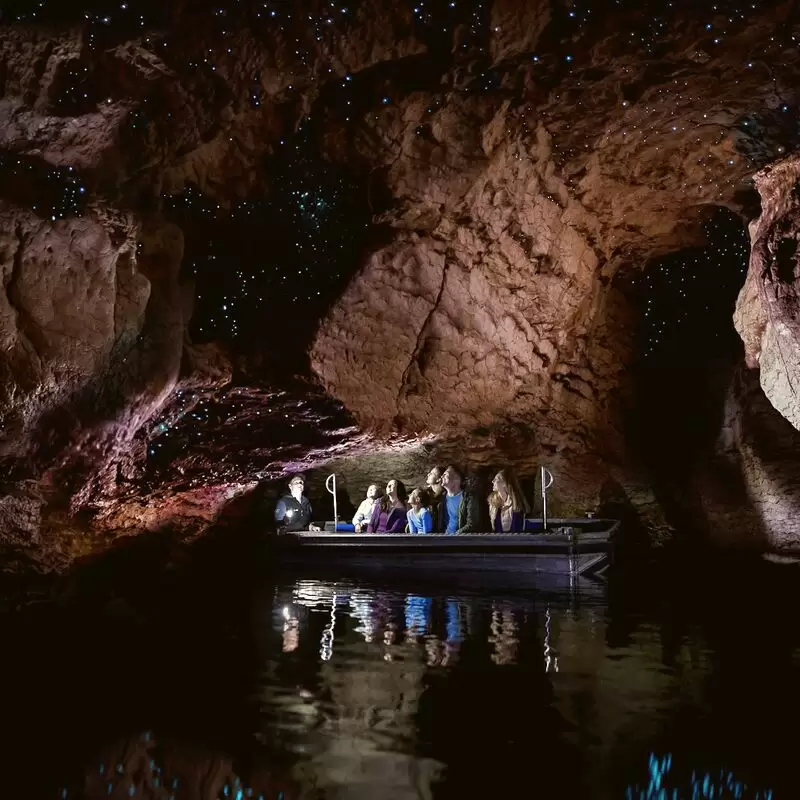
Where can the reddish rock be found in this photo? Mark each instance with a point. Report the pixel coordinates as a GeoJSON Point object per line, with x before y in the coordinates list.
{"type": "Point", "coordinates": [529, 170]}
{"type": "Point", "coordinates": [761, 447]}
{"type": "Point", "coordinates": [768, 310]}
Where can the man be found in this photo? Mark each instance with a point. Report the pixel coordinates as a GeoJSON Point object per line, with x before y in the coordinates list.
{"type": "Point", "coordinates": [458, 509]}
{"type": "Point", "coordinates": [433, 483]}
{"type": "Point", "coordinates": [293, 512]}
{"type": "Point", "coordinates": [364, 513]}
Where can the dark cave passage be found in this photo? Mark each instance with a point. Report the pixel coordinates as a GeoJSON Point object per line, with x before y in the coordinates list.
{"type": "Point", "coordinates": [686, 349]}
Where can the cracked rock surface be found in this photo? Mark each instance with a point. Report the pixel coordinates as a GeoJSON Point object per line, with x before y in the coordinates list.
{"type": "Point", "coordinates": [522, 168]}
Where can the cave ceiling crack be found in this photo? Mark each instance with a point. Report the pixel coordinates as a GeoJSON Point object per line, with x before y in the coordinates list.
{"type": "Point", "coordinates": [416, 353]}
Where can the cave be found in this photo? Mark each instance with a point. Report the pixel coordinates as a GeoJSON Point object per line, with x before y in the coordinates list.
{"type": "Point", "coordinates": [242, 241]}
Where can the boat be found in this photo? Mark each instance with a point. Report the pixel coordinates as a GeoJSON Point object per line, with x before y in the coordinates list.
{"type": "Point", "coordinates": [560, 551]}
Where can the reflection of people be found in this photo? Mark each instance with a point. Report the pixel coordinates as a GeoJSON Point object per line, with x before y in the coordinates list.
{"type": "Point", "coordinates": [389, 513]}
{"type": "Point", "coordinates": [419, 515]}
{"type": "Point", "coordinates": [362, 610]}
{"type": "Point", "coordinates": [418, 610]}
{"type": "Point", "coordinates": [455, 625]}
{"type": "Point", "coordinates": [364, 513]}
{"type": "Point", "coordinates": [291, 631]}
{"type": "Point", "coordinates": [293, 512]}
{"type": "Point", "coordinates": [504, 637]}
{"type": "Point", "coordinates": [458, 509]}
{"type": "Point", "coordinates": [507, 503]}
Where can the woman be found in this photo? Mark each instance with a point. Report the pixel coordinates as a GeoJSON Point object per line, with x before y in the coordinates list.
{"type": "Point", "coordinates": [389, 514]}
{"type": "Point", "coordinates": [420, 519]}
{"type": "Point", "coordinates": [507, 503]}
{"type": "Point", "coordinates": [364, 512]}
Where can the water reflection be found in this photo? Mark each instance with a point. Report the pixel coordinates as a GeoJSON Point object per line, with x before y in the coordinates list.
{"type": "Point", "coordinates": [392, 681]}
{"type": "Point", "coordinates": [144, 766]}
{"type": "Point", "coordinates": [417, 694]}
{"type": "Point", "coordinates": [700, 785]}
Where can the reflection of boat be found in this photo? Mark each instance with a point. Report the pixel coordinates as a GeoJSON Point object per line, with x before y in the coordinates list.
{"type": "Point", "coordinates": [571, 549]}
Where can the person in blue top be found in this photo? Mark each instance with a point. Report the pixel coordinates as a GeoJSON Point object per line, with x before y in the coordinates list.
{"type": "Point", "coordinates": [458, 509]}
{"type": "Point", "coordinates": [419, 517]}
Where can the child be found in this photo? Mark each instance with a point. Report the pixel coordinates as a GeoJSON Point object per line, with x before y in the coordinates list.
{"type": "Point", "coordinates": [420, 519]}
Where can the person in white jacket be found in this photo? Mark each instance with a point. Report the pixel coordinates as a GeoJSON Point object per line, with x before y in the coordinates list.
{"type": "Point", "coordinates": [364, 513]}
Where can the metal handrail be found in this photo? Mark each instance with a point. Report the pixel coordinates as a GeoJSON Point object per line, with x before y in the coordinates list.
{"type": "Point", "coordinates": [547, 482]}
{"type": "Point", "coordinates": [332, 479]}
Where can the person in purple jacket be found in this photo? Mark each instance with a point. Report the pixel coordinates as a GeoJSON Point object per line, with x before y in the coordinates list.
{"type": "Point", "coordinates": [389, 515]}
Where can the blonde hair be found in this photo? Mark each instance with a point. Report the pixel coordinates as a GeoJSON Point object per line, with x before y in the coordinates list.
{"type": "Point", "coordinates": [518, 500]}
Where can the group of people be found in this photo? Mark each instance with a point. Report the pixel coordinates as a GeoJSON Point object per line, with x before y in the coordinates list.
{"type": "Point", "coordinates": [442, 505]}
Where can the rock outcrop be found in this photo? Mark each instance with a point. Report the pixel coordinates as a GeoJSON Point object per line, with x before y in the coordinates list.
{"type": "Point", "coordinates": [768, 311]}
{"type": "Point", "coordinates": [520, 161]}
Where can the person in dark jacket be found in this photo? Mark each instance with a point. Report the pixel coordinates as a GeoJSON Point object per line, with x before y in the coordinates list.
{"type": "Point", "coordinates": [433, 483]}
{"type": "Point", "coordinates": [293, 512]}
{"type": "Point", "coordinates": [458, 508]}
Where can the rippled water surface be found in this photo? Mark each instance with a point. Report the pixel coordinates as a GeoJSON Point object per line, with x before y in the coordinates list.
{"type": "Point", "coordinates": [210, 681]}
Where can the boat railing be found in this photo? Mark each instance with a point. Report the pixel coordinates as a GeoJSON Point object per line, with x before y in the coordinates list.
{"type": "Point", "coordinates": [547, 482]}
{"type": "Point", "coordinates": [330, 485]}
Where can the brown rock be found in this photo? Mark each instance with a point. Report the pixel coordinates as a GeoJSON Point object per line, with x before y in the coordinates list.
{"type": "Point", "coordinates": [492, 326]}
{"type": "Point", "coordinates": [20, 517]}
{"type": "Point", "coordinates": [768, 310]}
{"type": "Point", "coordinates": [763, 446]}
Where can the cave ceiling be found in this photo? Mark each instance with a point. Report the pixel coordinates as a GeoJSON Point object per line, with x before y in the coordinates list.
{"type": "Point", "coordinates": [243, 238]}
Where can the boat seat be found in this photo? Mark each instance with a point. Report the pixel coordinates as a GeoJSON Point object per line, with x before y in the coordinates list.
{"type": "Point", "coordinates": [341, 527]}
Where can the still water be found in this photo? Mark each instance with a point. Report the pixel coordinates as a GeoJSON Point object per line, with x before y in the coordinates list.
{"type": "Point", "coordinates": [187, 681]}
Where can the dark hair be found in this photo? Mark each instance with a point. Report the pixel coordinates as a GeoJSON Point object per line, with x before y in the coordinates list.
{"type": "Point", "coordinates": [402, 495]}
{"type": "Point", "coordinates": [424, 496]}
{"type": "Point", "coordinates": [298, 477]}
{"type": "Point", "coordinates": [454, 468]}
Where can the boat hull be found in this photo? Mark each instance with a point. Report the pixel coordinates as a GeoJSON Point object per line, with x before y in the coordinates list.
{"type": "Point", "coordinates": [483, 558]}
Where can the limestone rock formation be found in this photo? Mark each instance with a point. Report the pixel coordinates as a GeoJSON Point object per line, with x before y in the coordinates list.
{"type": "Point", "coordinates": [768, 310]}
{"type": "Point", "coordinates": [763, 446]}
{"type": "Point", "coordinates": [521, 161]}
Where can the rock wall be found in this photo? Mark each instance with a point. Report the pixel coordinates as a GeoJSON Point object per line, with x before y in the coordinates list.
{"type": "Point", "coordinates": [527, 157]}
{"type": "Point", "coordinates": [761, 446]}
{"type": "Point", "coordinates": [768, 310]}
{"type": "Point", "coordinates": [93, 323]}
